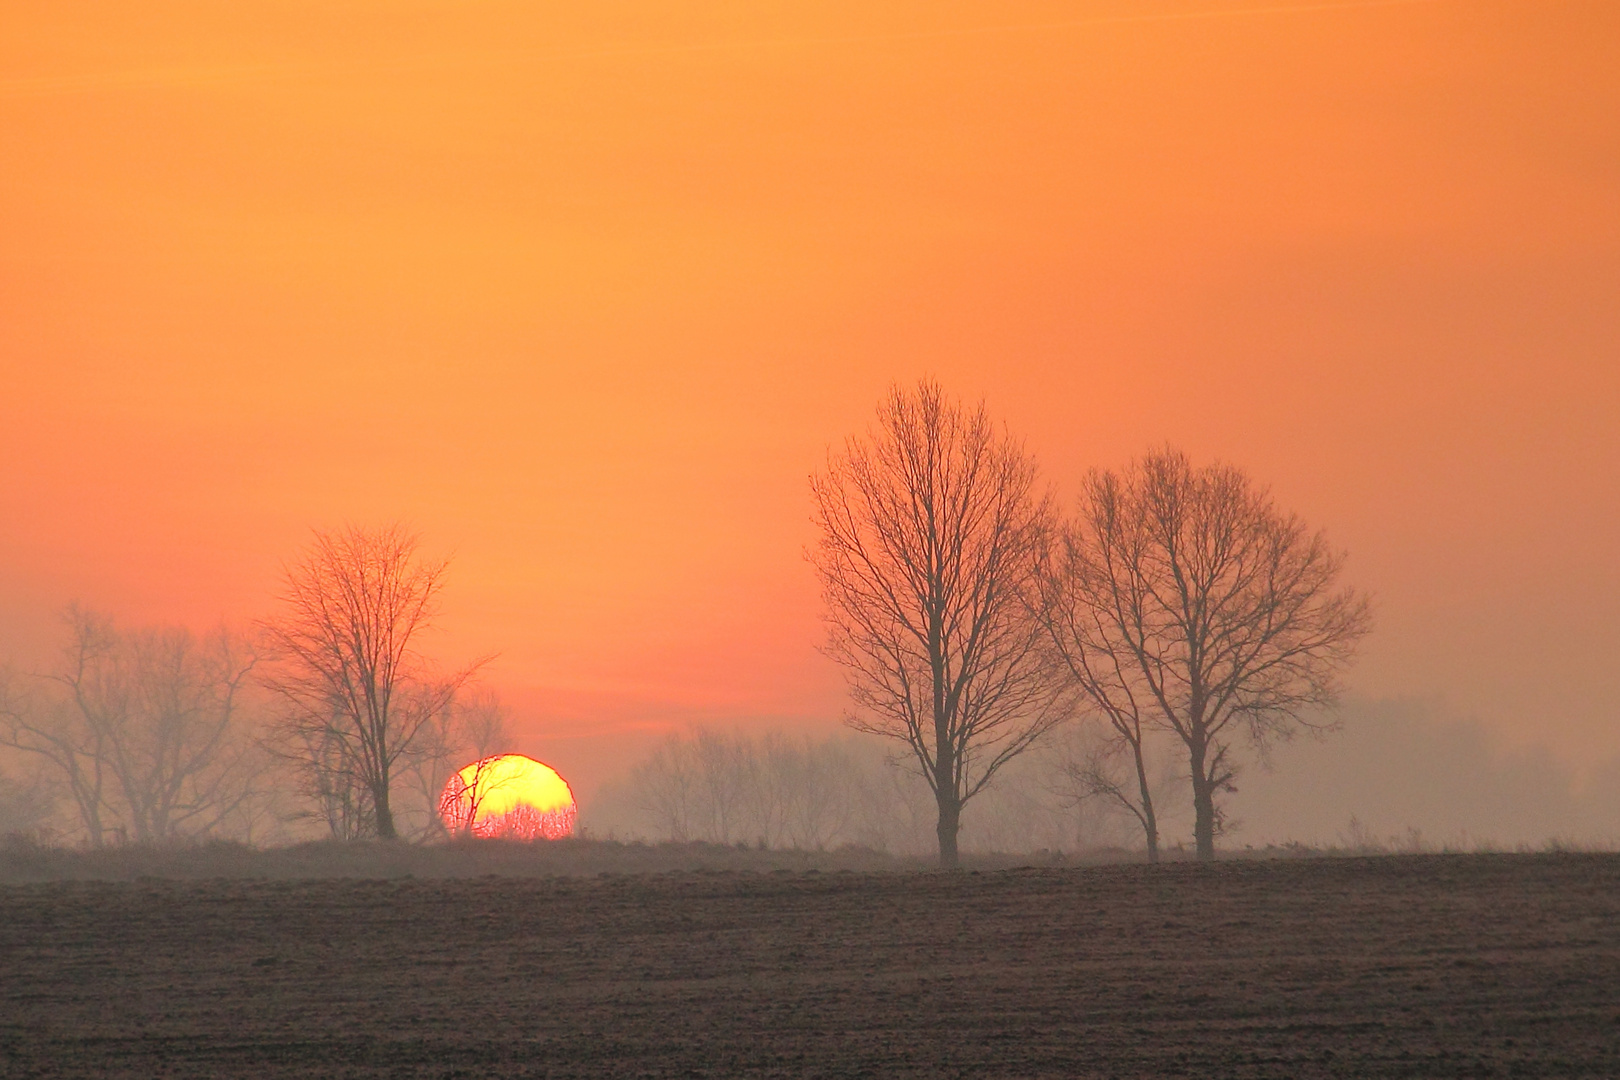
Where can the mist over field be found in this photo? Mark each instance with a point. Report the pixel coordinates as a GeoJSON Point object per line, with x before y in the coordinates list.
{"type": "Point", "coordinates": [1396, 776]}
{"type": "Point", "coordinates": [1416, 774]}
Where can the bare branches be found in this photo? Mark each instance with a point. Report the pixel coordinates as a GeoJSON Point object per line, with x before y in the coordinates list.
{"type": "Point", "coordinates": [176, 763]}
{"type": "Point", "coordinates": [731, 788]}
{"type": "Point", "coordinates": [1081, 604]}
{"type": "Point", "coordinates": [472, 729]}
{"type": "Point", "coordinates": [931, 533]}
{"type": "Point", "coordinates": [707, 787]}
{"type": "Point", "coordinates": [70, 743]}
{"type": "Point", "coordinates": [144, 730]}
{"type": "Point", "coordinates": [356, 690]}
{"type": "Point", "coordinates": [1185, 600]}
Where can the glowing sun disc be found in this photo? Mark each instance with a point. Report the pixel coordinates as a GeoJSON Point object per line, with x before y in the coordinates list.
{"type": "Point", "coordinates": [509, 795]}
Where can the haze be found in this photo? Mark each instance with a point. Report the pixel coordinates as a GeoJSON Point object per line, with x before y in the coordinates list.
{"type": "Point", "coordinates": [585, 295]}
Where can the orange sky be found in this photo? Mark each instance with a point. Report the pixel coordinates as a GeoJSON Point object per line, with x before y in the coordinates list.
{"type": "Point", "coordinates": [585, 294]}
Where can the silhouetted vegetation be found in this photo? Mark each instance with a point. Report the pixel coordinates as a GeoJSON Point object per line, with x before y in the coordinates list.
{"type": "Point", "coordinates": [1182, 599]}
{"type": "Point", "coordinates": [355, 691]}
{"type": "Point", "coordinates": [140, 729]}
{"type": "Point", "coordinates": [931, 536]}
{"type": "Point", "coordinates": [1040, 686]}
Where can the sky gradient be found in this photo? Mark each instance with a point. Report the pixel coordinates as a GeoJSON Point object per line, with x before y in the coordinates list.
{"type": "Point", "coordinates": [584, 296]}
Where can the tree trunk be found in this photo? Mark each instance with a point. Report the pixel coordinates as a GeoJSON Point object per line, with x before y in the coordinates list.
{"type": "Point", "coordinates": [93, 826]}
{"type": "Point", "coordinates": [385, 816]}
{"type": "Point", "coordinates": [1204, 820]}
{"type": "Point", "coordinates": [1150, 820]}
{"type": "Point", "coordinates": [1203, 805]}
{"type": "Point", "coordinates": [950, 821]}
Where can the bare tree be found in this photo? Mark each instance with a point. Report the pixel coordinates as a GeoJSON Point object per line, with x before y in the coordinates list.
{"type": "Point", "coordinates": [27, 802]}
{"type": "Point", "coordinates": [356, 689]}
{"type": "Point", "coordinates": [1188, 601]}
{"type": "Point", "coordinates": [728, 780]}
{"type": "Point", "coordinates": [177, 764]}
{"type": "Point", "coordinates": [145, 734]}
{"type": "Point", "coordinates": [705, 787]}
{"type": "Point", "coordinates": [931, 538]}
{"type": "Point", "coordinates": [1097, 776]}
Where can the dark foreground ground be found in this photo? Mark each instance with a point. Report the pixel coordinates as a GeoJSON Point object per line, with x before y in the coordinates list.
{"type": "Point", "coordinates": [1423, 966]}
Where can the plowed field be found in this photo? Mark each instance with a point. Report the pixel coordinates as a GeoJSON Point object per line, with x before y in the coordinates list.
{"type": "Point", "coordinates": [1424, 966]}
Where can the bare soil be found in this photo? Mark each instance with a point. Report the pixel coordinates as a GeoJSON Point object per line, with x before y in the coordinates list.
{"type": "Point", "coordinates": [1422, 966]}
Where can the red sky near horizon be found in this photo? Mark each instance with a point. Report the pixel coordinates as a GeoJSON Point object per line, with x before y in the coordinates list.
{"type": "Point", "coordinates": [585, 295]}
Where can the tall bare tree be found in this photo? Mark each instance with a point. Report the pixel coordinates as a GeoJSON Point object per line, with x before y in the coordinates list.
{"type": "Point", "coordinates": [931, 537]}
{"type": "Point", "coordinates": [144, 729]}
{"type": "Point", "coordinates": [356, 689]}
{"type": "Point", "coordinates": [1186, 600]}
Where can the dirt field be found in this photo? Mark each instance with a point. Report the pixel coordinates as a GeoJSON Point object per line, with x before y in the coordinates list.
{"type": "Point", "coordinates": [1425, 966]}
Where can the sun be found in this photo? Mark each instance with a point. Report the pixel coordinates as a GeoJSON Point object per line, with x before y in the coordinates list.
{"type": "Point", "coordinates": [509, 795]}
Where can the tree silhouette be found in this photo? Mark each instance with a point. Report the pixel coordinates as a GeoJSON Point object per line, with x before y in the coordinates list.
{"type": "Point", "coordinates": [1185, 600]}
{"type": "Point", "coordinates": [355, 688]}
{"type": "Point", "coordinates": [142, 729]}
{"type": "Point", "coordinates": [931, 534]}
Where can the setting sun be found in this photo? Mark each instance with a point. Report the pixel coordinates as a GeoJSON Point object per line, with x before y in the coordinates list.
{"type": "Point", "coordinates": [509, 795]}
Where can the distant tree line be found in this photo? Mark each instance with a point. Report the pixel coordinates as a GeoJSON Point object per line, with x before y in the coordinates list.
{"type": "Point", "coordinates": [1174, 607]}
{"type": "Point", "coordinates": [809, 792]}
